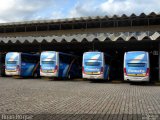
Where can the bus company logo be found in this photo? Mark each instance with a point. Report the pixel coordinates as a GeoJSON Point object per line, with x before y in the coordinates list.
{"type": "Point", "coordinates": [136, 71]}
{"type": "Point", "coordinates": [10, 67]}
{"type": "Point", "coordinates": [48, 68]}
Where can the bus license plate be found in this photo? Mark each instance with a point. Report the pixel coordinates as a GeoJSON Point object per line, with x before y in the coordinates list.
{"type": "Point", "coordinates": [92, 77]}
{"type": "Point", "coordinates": [136, 78]}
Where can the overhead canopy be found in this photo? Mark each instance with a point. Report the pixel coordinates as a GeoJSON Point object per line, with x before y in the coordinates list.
{"type": "Point", "coordinates": [82, 23]}
{"type": "Point", "coordinates": [32, 31]}
{"type": "Point", "coordinates": [125, 36]}
{"type": "Point", "coordinates": [89, 18]}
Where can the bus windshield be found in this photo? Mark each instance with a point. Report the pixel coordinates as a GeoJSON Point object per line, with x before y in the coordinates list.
{"type": "Point", "coordinates": [93, 63]}
{"type": "Point", "coordinates": [136, 56]}
{"type": "Point", "coordinates": [93, 56]}
{"type": "Point", "coordinates": [12, 58]}
{"type": "Point", "coordinates": [136, 64]}
{"type": "Point", "coordinates": [48, 62]}
{"type": "Point", "coordinates": [11, 62]}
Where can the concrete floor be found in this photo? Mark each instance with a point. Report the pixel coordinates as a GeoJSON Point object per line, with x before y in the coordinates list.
{"type": "Point", "coordinates": [78, 99]}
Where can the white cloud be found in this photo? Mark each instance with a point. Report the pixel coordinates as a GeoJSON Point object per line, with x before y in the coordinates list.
{"type": "Point", "coordinates": [57, 15]}
{"type": "Point", "coordinates": [111, 7]}
{"type": "Point", "coordinates": [86, 8]}
{"type": "Point", "coordinates": [118, 7]}
{"type": "Point", "coordinates": [20, 10]}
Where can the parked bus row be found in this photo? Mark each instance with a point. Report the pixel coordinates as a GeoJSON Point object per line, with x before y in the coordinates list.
{"type": "Point", "coordinates": [94, 65]}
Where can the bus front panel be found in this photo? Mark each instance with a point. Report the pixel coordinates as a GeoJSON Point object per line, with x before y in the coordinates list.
{"type": "Point", "coordinates": [93, 65]}
{"type": "Point", "coordinates": [49, 64]}
{"type": "Point", "coordinates": [12, 64]}
{"type": "Point", "coordinates": [136, 66]}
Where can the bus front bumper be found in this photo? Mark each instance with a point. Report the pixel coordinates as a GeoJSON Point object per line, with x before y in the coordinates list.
{"type": "Point", "coordinates": [86, 76]}
{"type": "Point", "coordinates": [45, 74]}
{"type": "Point", "coordinates": [136, 79]}
{"type": "Point", "coordinates": [12, 73]}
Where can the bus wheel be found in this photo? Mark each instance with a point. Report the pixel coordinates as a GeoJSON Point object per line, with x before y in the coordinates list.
{"type": "Point", "coordinates": [35, 75]}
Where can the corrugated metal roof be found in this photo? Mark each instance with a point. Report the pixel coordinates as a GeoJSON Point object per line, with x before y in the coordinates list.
{"type": "Point", "coordinates": [126, 36]}
{"type": "Point", "coordinates": [142, 15]}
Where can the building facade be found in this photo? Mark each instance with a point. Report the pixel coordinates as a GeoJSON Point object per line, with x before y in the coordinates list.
{"type": "Point", "coordinates": [113, 34]}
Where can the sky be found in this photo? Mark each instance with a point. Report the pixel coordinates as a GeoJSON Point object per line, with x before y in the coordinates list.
{"type": "Point", "coordinates": [26, 10]}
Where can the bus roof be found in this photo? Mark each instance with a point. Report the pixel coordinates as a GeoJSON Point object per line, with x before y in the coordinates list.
{"type": "Point", "coordinates": [61, 53]}
{"type": "Point", "coordinates": [137, 52]}
{"type": "Point", "coordinates": [93, 52]}
{"type": "Point", "coordinates": [22, 53]}
{"type": "Point", "coordinates": [98, 52]}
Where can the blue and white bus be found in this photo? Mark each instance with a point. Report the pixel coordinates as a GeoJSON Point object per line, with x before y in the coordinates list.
{"type": "Point", "coordinates": [59, 65]}
{"type": "Point", "coordinates": [136, 66]}
{"type": "Point", "coordinates": [22, 64]}
{"type": "Point", "coordinates": [96, 65]}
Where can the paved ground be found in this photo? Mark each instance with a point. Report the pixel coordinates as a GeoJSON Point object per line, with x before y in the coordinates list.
{"type": "Point", "coordinates": [77, 99]}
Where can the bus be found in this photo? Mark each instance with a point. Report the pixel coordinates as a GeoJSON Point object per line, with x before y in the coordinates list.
{"type": "Point", "coordinates": [59, 65]}
{"type": "Point", "coordinates": [136, 66]}
{"type": "Point", "coordinates": [2, 64]}
{"type": "Point", "coordinates": [96, 65]}
{"type": "Point", "coordinates": [22, 64]}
